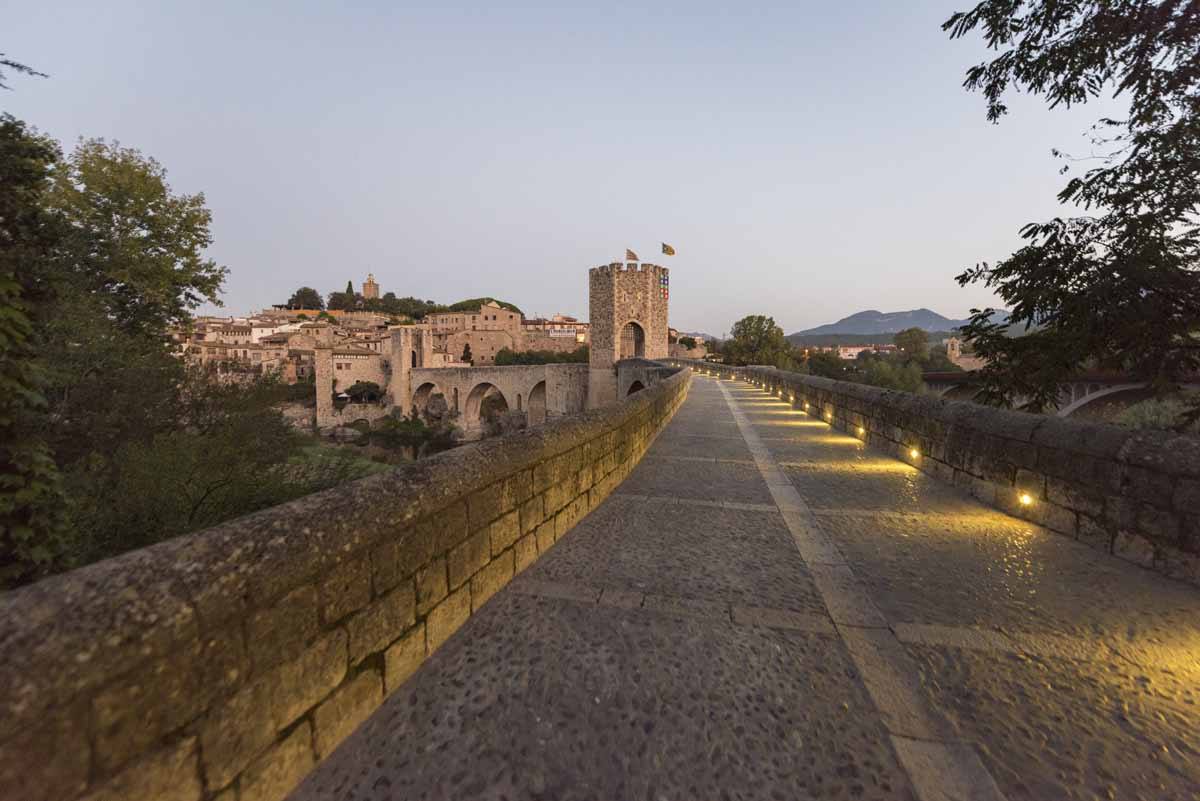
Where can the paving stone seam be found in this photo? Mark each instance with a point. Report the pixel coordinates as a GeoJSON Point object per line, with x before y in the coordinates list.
{"type": "Point", "coordinates": [938, 766]}
{"type": "Point", "coordinates": [672, 500]}
{"type": "Point", "coordinates": [616, 598]}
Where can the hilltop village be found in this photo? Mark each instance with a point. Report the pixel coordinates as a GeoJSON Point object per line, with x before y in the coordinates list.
{"type": "Point", "coordinates": [346, 352]}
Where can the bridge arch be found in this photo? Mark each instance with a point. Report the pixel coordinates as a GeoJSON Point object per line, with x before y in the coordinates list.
{"type": "Point", "coordinates": [536, 404]}
{"type": "Point", "coordinates": [422, 396]}
{"type": "Point", "coordinates": [1093, 392]}
{"type": "Point", "coordinates": [483, 399]}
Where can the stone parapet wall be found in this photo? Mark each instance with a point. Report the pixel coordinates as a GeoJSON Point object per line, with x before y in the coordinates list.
{"type": "Point", "coordinates": [224, 664]}
{"type": "Point", "coordinates": [1135, 494]}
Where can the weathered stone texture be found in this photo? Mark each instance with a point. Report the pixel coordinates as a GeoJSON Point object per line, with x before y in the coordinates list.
{"type": "Point", "coordinates": [334, 719]}
{"type": "Point", "coordinates": [404, 657]}
{"type": "Point", "coordinates": [278, 771]}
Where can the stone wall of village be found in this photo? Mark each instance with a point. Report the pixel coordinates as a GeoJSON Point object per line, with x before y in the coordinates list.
{"type": "Point", "coordinates": [1135, 494]}
{"type": "Point", "coordinates": [222, 665]}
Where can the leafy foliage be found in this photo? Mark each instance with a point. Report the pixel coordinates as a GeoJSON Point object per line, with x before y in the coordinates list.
{"type": "Point", "coordinates": [913, 342]}
{"type": "Point", "coordinates": [466, 354]}
{"type": "Point", "coordinates": [1172, 413]}
{"type": "Point", "coordinates": [578, 356]}
{"type": "Point", "coordinates": [1118, 289]}
{"type": "Point", "coordinates": [473, 304]}
{"type": "Point", "coordinates": [756, 339]}
{"type": "Point", "coordinates": [364, 392]}
{"type": "Point", "coordinates": [306, 298]}
{"type": "Point", "coordinates": [688, 342]}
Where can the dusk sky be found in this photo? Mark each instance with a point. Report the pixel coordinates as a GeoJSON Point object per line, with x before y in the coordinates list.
{"type": "Point", "coordinates": [807, 162]}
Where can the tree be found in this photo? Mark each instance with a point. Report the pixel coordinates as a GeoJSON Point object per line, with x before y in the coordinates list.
{"type": "Point", "coordinates": [827, 364]}
{"type": "Point", "coordinates": [15, 66]}
{"type": "Point", "coordinates": [31, 497]}
{"type": "Point", "coordinates": [344, 301]}
{"type": "Point", "coordinates": [1118, 288]}
{"type": "Point", "coordinates": [130, 241]}
{"type": "Point", "coordinates": [306, 298]}
{"type": "Point", "coordinates": [364, 392]}
{"type": "Point", "coordinates": [466, 354]}
{"type": "Point", "coordinates": [688, 342]}
{"type": "Point", "coordinates": [758, 340]}
{"type": "Point", "coordinates": [913, 342]}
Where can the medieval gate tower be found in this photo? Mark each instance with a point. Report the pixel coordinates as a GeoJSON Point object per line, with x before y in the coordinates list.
{"type": "Point", "coordinates": [628, 316]}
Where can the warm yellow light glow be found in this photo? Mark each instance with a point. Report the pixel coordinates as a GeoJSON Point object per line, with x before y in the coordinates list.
{"type": "Point", "coordinates": [861, 431]}
{"type": "Point", "coordinates": [914, 453]}
{"type": "Point", "coordinates": [1026, 499]}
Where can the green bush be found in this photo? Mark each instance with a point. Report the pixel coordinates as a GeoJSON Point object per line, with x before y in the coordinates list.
{"type": "Point", "coordinates": [1168, 414]}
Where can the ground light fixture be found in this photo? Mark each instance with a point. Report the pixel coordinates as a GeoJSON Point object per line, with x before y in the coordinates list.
{"type": "Point", "coordinates": [1025, 498]}
{"type": "Point", "coordinates": [914, 453]}
{"type": "Point", "coordinates": [861, 431]}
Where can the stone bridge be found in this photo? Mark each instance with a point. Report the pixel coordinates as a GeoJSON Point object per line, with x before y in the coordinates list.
{"type": "Point", "coordinates": [1077, 393]}
{"type": "Point", "coordinates": [736, 583]}
{"type": "Point", "coordinates": [541, 391]}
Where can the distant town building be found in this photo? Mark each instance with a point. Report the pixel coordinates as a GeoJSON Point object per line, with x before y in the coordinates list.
{"type": "Point", "coordinates": [370, 288]}
{"type": "Point", "coordinates": [962, 356]}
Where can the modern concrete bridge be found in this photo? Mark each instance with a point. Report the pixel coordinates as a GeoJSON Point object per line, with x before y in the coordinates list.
{"type": "Point", "coordinates": [767, 609]}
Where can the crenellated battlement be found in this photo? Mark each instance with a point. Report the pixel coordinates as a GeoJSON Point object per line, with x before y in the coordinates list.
{"type": "Point", "coordinates": [630, 267]}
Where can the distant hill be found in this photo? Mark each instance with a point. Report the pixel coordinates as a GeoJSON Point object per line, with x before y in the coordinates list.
{"type": "Point", "coordinates": [697, 335]}
{"type": "Point", "coordinates": [874, 327]}
{"type": "Point", "coordinates": [472, 304]}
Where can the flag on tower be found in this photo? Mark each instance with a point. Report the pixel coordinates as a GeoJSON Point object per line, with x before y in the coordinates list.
{"type": "Point", "coordinates": [668, 250]}
{"type": "Point", "coordinates": [630, 255]}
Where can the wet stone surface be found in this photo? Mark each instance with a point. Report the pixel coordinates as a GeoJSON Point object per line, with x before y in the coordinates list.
{"type": "Point", "coordinates": [985, 568]}
{"type": "Point", "coordinates": [1067, 729]}
{"type": "Point", "coordinates": [548, 699]}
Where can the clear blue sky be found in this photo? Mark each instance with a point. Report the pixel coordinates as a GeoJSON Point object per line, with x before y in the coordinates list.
{"type": "Point", "coordinates": [807, 161]}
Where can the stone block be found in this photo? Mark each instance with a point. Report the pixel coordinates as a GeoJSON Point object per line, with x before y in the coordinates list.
{"type": "Point", "coordinates": [26, 771]}
{"type": "Point", "coordinates": [1148, 485]}
{"type": "Point", "coordinates": [277, 772]}
{"type": "Point", "coordinates": [446, 618]}
{"type": "Point", "coordinates": [398, 559]}
{"type": "Point", "coordinates": [138, 710]}
{"type": "Point", "coordinates": [234, 732]}
{"type": "Point", "coordinates": [373, 628]}
{"type": "Point", "coordinates": [347, 588]}
{"type": "Point", "coordinates": [279, 633]}
{"type": "Point", "coordinates": [404, 657]}
{"type": "Point", "coordinates": [525, 552]}
{"type": "Point", "coordinates": [448, 527]}
{"type": "Point", "coordinates": [516, 489]}
{"type": "Point", "coordinates": [169, 774]}
{"type": "Point", "coordinates": [559, 495]}
{"type": "Point", "coordinates": [531, 514]}
{"type": "Point", "coordinates": [342, 712]}
{"type": "Point", "coordinates": [469, 557]}
{"type": "Point", "coordinates": [488, 581]}
{"type": "Point", "coordinates": [305, 681]}
{"type": "Point", "coordinates": [431, 585]}
{"type": "Point", "coordinates": [1158, 525]}
{"type": "Point", "coordinates": [1075, 496]}
{"type": "Point", "coordinates": [504, 531]}
{"type": "Point", "coordinates": [1187, 496]}
{"type": "Point", "coordinates": [544, 534]}
{"type": "Point", "coordinates": [485, 505]}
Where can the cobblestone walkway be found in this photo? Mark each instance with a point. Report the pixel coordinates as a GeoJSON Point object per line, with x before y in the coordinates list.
{"type": "Point", "coordinates": [766, 609]}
